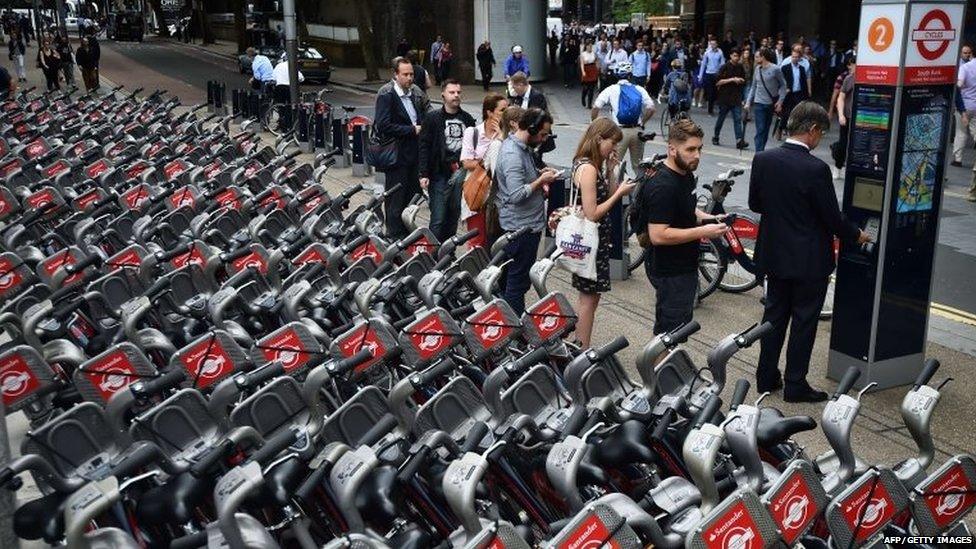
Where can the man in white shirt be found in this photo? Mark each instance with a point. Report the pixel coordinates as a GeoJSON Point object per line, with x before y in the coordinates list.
{"type": "Point", "coordinates": [712, 61]}
{"type": "Point", "coordinates": [282, 91]}
{"type": "Point", "coordinates": [616, 55]}
{"type": "Point", "coordinates": [631, 122]}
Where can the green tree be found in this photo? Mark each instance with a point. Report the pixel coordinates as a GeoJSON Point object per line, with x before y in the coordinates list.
{"type": "Point", "coordinates": [240, 24]}
{"type": "Point", "coordinates": [364, 23]}
{"type": "Point", "coordinates": [623, 8]}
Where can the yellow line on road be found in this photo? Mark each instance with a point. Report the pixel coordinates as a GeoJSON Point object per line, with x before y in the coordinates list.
{"type": "Point", "coordinates": [951, 313]}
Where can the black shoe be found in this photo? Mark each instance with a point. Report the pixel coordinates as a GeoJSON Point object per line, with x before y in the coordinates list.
{"type": "Point", "coordinates": [741, 145]}
{"type": "Point", "coordinates": [956, 163]}
{"type": "Point", "coordinates": [804, 394]}
{"type": "Point", "coordinates": [715, 141]}
{"type": "Point", "coordinates": [764, 388]}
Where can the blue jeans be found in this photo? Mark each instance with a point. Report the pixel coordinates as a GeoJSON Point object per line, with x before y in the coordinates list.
{"type": "Point", "coordinates": [764, 118]}
{"type": "Point", "coordinates": [736, 111]}
{"type": "Point", "coordinates": [445, 207]}
{"type": "Point", "coordinates": [522, 251]}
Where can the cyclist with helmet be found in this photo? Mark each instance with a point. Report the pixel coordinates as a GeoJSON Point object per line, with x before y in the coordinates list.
{"type": "Point", "coordinates": [678, 86]}
{"type": "Point", "coordinates": [630, 107]}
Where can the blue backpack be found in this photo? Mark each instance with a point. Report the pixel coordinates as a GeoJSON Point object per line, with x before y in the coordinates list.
{"type": "Point", "coordinates": [629, 106]}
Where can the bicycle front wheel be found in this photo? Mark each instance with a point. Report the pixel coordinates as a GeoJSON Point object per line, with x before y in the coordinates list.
{"type": "Point", "coordinates": [827, 311]}
{"type": "Point", "coordinates": [637, 258]}
{"type": "Point", "coordinates": [711, 268]}
{"type": "Point", "coordinates": [665, 123]}
{"type": "Point", "coordinates": [740, 273]}
{"type": "Point", "coordinates": [273, 121]}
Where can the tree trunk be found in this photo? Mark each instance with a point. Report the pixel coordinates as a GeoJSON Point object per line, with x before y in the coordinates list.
{"type": "Point", "coordinates": [206, 33]}
{"type": "Point", "coordinates": [157, 9]}
{"type": "Point", "coordinates": [364, 20]}
{"type": "Point", "coordinates": [240, 25]}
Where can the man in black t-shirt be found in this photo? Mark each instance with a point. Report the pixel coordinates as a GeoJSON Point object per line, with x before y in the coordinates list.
{"type": "Point", "coordinates": [675, 225]}
{"type": "Point", "coordinates": [440, 153]}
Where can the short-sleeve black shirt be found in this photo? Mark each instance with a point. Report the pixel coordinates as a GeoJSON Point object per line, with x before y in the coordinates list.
{"type": "Point", "coordinates": [669, 199]}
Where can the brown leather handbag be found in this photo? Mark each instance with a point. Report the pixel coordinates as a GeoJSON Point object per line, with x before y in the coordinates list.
{"type": "Point", "coordinates": [476, 184]}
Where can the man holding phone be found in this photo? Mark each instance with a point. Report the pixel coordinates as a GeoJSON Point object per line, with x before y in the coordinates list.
{"type": "Point", "coordinates": [675, 226]}
{"type": "Point", "coordinates": [521, 200]}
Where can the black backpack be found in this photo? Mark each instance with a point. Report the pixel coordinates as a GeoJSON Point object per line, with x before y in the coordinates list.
{"type": "Point", "coordinates": [635, 210]}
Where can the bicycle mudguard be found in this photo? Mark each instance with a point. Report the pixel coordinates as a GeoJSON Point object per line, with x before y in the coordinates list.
{"type": "Point", "coordinates": [597, 525]}
{"type": "Point", "coordinates": [943, 499]}
{"type": "Point", "coordinates": [293, 345]}
{"type": "Point", "coordinates": [491, 328]}
{"type": "Point", "coordinates": [112, 371]}
{"type": "Point", "coordinates": [548, 320]}
{"type": "Point", "coordinates": [740, 521]}
{"type": "Point", "coordinates": [862, 511]}
{"type": "Point", "coordinates": [795, 500]}
{"type": "Point", "coordinates": [24, 374]}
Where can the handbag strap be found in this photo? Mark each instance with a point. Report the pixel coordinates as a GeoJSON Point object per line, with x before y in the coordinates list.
{"type": "Point", "coordinates": [763, 80]}
{"type": "Point", "coordinates": [574, 190]}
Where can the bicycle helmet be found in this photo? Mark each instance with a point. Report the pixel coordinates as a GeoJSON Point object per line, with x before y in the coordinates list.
{"type": "Point", "coordinates": [623, 69]}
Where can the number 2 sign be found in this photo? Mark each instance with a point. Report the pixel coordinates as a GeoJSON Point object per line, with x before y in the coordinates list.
{"type": "Point", "coordinates": [880, 33]}
{"type": "Point", "coordinates": [880, 36]}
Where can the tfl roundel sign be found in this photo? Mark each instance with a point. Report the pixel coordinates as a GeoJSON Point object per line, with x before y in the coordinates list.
{"type": "Point", "coordinates": [934, 34]}
{"type": "Point", "coordinates": [932, 51]}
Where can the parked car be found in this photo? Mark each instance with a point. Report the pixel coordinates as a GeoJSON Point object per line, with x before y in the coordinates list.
{"type": "Point", "coordinates": [125, 25]}
{"type": "Point", "coordinates": [311, 62]}
{"type": "Point", "coordinates": [314, 65]}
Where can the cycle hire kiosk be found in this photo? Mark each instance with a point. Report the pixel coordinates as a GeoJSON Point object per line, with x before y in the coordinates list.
{"type": "Point", "coordinates": [907, 66]}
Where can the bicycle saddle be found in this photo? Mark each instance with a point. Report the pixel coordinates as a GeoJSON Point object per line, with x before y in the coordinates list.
{"type": "Point", "coordinates": [281, 482]}
{"type": "Point", "coordinates": [624, 445]}
{"type": "Point", "coordinates": [348, 108]}
{"type": "Point", "coordinates": [375, 498]}
{"type": "Point", "coordinates": [42, 518]}
{"type": "Point", "coordinates": [775, 429]}
{"type": "Point", "coordinates": [174, 501]}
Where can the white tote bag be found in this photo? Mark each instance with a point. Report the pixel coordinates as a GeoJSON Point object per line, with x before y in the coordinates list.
{"type": "Point", "coordinates": [577, 238]}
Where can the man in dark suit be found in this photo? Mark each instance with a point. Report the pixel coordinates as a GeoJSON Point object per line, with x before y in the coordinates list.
{"type": "Point", "coordinates": [400, 107]}
{"type": "Point", "coordinates": [525, 95]}
{"type": "Point", "coordinates": [792, 189]}
{"type": "Point", "coordinates": [798, 85]}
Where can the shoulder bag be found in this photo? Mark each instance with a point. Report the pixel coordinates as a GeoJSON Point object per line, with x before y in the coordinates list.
{"type": "Point", "coordinates": [381, 153]}
{"type": "Point", "coordinates": [477, 183]}
{"type": "Point", "coordinates": [577, 238]}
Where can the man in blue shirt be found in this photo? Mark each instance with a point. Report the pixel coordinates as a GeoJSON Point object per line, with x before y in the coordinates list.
{"type": "Point", "coordinates": [640, 62]}
{"type": "Point", "coordinates": [712, 61]}
{"type": "Point", "coordinates": [262, 73]}
{"type": "Point", "coordinates": [516, 63]}
{"type": "Point", "coordinates": [521, 200]}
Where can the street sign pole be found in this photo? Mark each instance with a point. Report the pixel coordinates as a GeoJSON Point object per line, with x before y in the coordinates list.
{"type": "Point", "coordinates": [899, 127]}
{"type": "Point", "coordinates": [62, 26]}
{"type": "Point", "coordinates": [291, 46]}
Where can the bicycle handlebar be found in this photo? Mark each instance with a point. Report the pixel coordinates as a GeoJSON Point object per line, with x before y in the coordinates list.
{"type": "Point", "coordinates": [848, 381]}
{"type": "Point", "coordinates": [739, 394]}
{"type": "Point", "coordinates": [928, 370]}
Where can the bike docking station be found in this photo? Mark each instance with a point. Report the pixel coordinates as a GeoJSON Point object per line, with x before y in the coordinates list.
{"type": "Point", "coordinates": [901, 118]}
{"type": "Point", "coordinates": [619, 255]}
{"type": "Point", "coordinates": [216, 97]}
{"type": "Point", "coordinates": [359, 128]}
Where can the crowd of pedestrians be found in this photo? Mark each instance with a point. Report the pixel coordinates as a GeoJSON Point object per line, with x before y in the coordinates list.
{"type": "Point", "coordinates": [55, 57]}
{"type": "Point", "coordinates": [623, 74]}
{"type": "Point", "coordinates": [750, 78]}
